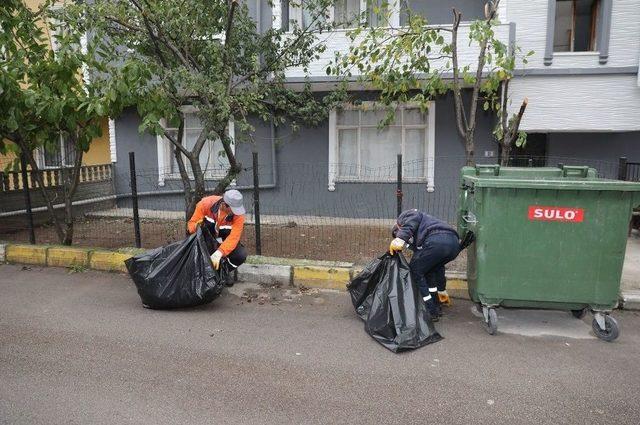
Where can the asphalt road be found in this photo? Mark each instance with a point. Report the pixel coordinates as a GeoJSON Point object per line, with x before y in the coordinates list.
{"type": "Point", "coordinates": [79, 349]}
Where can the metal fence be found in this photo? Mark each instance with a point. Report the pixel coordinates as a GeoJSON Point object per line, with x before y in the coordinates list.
{"type": "Point", "coordinates": [629, 171]}
{"type": "Point", "coordinates": [292, 210]}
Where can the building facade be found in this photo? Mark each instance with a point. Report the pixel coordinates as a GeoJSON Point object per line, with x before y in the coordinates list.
{"type": "Point", "coordinates": [584, 106]}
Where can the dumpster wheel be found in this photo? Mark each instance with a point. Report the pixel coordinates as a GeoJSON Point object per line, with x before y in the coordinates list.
{"type": "Point", "coordinates": [490, 320]}
{"type": "Point", "coordinates": [611, 329]}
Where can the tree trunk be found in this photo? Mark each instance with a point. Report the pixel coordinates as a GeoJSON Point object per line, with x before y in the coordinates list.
{"type": "Point", "coordinates": [69, 191]}
{"type": "Point", "coordinates": [198, 185]}
{"type": "Point", "coordinates": [506, 153]}
{"type": "Point", "coordinates": [189, 205]}
{"type": "Point", "coordinates": [43, 189]}
{"type": "Point", "coordinates": [469, 146]}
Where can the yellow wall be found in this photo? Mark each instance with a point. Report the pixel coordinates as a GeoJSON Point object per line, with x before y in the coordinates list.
{"type": "Point", "coordinates": [99, 152]}
{"type": "Point", "coordinates": [5, 160]}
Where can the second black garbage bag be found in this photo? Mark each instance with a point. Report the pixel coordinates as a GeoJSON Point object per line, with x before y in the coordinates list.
{"type": "Point", "coordinates": [178, 275]}
{"type": "Point", "coordinates": [386, 298]}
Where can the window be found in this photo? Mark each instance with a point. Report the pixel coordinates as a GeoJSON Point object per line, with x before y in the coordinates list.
{"type": "Point", "coordinates": [377, 11]}
{"type": "Point", "coordinates": [576, 25]}
{"type": "Point", "coordinates": [346, 13]}
{"type": "Point", "coordinates": [213, 161]}
{"type": "Point", "coordinates": [361, 151]}
{"type": "Point", "coordinates": [439, 12]}
{"type": "Point", "coordinates": [56, 155]}
{"type": "Point", "coordinates": [300, 13]}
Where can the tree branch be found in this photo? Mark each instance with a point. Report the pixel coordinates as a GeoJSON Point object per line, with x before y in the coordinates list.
{"type": "Point", "coordinates": [175, 143]}
{"type": "Point", "coordinates": [284, 50]}
{"type": "Point", "coordinates": [491, 8]}
{"type": "Point", "coordinates": [515, 126]}
{"type": "Point", "coordinates": [461, 119]}
{"type": "Point", "coordinates": [503, 111]}
{"type": "Point", "coordinates": [184, 175]}
{"type": "Point", "coordinates": [227, 47]}
{"type": "Point", "coordinates": [160, 36]}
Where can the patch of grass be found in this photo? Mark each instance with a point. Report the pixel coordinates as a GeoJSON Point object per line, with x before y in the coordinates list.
{"type": "Point", "coordinates": [77, 268]}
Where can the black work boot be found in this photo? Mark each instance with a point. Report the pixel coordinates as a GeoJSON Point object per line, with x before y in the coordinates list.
{"type": "Point", "coordinates": [430, 301]}
{"type": "Point", "coordinates": [435, 309]}
{"type": "Point", "coordinates": [228, 274]}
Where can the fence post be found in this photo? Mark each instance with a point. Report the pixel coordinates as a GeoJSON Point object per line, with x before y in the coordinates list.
{"type": "Point", "coordinates": [399, 188]}
{"type": "Point", "coordinates": [622, 168]}
{"type": "Point", "coordinates": [530, 162]}
{"type": "Point", "coordinates": [27, 197]}
{"type": "Point", "coordinates": [256, 203]}
{"type": "Point", "coordinates": [134, 197]}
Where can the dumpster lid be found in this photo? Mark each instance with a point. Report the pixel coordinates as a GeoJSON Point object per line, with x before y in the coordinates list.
{"type": "Point", "coordinates": [564, 184]}
{"type": "Point", "coordinates": [553, 178]}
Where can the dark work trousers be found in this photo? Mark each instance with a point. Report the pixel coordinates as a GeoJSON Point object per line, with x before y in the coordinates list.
{"type": "Point", "coordinates": [427, 264]}
{"type": "Point", "coordinates": [237, 256]}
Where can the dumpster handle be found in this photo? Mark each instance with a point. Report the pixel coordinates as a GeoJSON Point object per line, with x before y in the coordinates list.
{"type": "Point", "coordinates": [494, 168]}
{"type": "Point", "coordinates": [582, 171]}
{"type": "Point", "coordinates": [470, 218]}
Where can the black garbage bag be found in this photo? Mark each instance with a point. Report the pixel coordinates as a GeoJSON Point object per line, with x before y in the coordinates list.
{"type": "Point", "coordinates": [386, 298]}
{"type": "Point", "coordinates": [178, 275]}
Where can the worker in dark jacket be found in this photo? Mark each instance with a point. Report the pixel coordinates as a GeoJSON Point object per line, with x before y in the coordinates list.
{"type": "Point", "coordinates": [434, 244]}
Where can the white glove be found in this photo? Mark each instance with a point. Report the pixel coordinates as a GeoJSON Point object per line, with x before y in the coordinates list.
{"type": "Point", "coordinates": [215, 259]}
{"type": "Point", "coordinates": [396, 245]}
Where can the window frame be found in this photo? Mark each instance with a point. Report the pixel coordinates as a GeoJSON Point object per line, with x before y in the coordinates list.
{"type": "Point", "coordinates": [41, 156]}
{"type": "Point", "coordinates": [593, 30]}
{"type": "Point", "coordinates": [334, 146]}
{"type": "Point", "coordinates": [166, 156]}
{"type": "Point", "coordinates": [603, 34]}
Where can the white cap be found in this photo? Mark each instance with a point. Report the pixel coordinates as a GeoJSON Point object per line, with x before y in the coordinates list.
{"type": "Point", "coordinates": [233, 198]}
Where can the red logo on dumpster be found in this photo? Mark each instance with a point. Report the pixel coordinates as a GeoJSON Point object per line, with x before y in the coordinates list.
{"type": "Point", "coordinates": [571, 215]}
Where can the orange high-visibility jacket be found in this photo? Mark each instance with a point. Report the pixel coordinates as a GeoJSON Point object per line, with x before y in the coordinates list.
{"type": "Point", "coordinates": [225, 224]}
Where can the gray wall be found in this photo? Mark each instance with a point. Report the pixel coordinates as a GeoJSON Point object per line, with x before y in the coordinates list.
{"type": "Point", "coordinates": [600, 150]}
{"type": "Point", "coordinates": [14, 201]}
{"type": "Point", "coordinates": [301, 171]}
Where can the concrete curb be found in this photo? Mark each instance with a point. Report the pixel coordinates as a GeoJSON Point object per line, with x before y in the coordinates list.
{"type": "Point", "coordinates": [64, 256]}
{"type": "Point", "coordinates": [26, 254]}
{"type": "Point", "coordinates": [264, 270]}
{"type": "Point", "coordinates": [322, 277]}
{"type": "Point", "coordinates": [67, 257]}
{"type": "Point", "coordinates": [630, 300]}
{"type": "Point", "coordinates": [266, 274]}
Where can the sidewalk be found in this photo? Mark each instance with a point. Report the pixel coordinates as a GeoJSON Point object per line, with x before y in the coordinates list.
{"type": "Point", "coordinates": [266, 219]}
{"type": "Point", "coordinates": [630, 283]}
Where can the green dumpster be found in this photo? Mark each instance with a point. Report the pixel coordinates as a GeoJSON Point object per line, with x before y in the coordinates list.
{"type": "Point", "coordinates": [551, 238]}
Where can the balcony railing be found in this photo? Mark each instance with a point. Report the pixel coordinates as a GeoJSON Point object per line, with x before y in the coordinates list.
{"type": "Point", "coordinates": [338, 41]}
{"type": "Point", "coordinates": [52, 177]}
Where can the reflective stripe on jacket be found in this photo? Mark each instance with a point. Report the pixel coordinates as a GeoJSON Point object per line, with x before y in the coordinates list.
{"type": "Point", "coordinates": [228, 227]}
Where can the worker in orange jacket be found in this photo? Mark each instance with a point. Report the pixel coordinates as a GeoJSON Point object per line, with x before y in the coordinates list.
{"type": "Point", "coordinates": [224, 217]}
